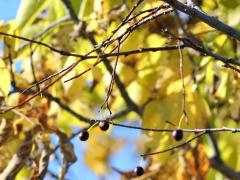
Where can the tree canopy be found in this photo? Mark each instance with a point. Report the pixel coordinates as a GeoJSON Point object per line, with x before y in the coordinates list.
{"type": "Point", "coordinates": [82, 68]}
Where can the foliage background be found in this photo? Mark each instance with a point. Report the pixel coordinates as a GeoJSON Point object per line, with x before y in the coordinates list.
{"type": "Point", "coordinates": [212, 99]}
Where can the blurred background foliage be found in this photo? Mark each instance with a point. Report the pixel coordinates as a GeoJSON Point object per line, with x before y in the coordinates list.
{"type": "Point", "coordinates": [152, 80]}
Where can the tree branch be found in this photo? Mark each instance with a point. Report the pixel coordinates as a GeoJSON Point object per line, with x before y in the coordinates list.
{"type": "Point", "coordinates": [58, 101]}
{"type": "Point", "coordinates": [233, 130]}
{"type": "Point", "coordinates": [210, 20]}
{"type": "Point", "coordinates": [186, 44]}
{"type": "Point", "coordinates": [70, 10]}
{"type": "Point", "coordinates": [107, 64]}
{"type": "Point", "coordinates": [67, 108]}
{"type": "Point", "coordinates": [118, 82]}
{"type": "Point", "coordinates": [218, 164]}
{"type": "Point", "coordinates": [174, 147]}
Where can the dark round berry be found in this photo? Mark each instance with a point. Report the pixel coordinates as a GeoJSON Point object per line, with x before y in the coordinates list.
{"type": "Point", "coordinates": [177, 134]}
{"type": "Point", "coordinates": [104, 125]}
{"type": "Point", "coordinates": [83, 136]}
{"type": "Point", "coordinates": [138, 171]}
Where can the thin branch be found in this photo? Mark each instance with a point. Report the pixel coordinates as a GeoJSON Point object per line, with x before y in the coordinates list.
{"type": "Point", "coordinates": [125, 19]}
{"type": "Point", "coordinates": [115, 116]}
{"type": "Point", "coordinates": [210, 20]}
{"type": "Point", "coordinates": [58, 101]}
{"type": "Point", "coordinates": [107, 64]}
{"type": "Point", "coordinates": [231, 67]}
{"type": "Point", "coordinates": [174, 147]}
{"type": "Point", "coordinates": [152, 10]}
{"type": "Point", "coordinates": [110, 88]}
{"type": "Point", "coordinates": [62, 52]}
{"type": "Point", "coordinates": [85, 71]}
{"type": "Point", "coordinates": [183, 85]}
{"type": "Point", "coordinates": [119, 83]}
{"type": "Point", "coordinates": [186, 43]}
{"type": "Point", "coordinates": [45, 30]}
{"type": "Point", "coordinates": [32, 67]}
{"type": "Point", "coordinates": [233, 130]}
{"type": "Point", "coordinates": [64, 72]}
{"type": "Point", "coordinates": [55, 176]}
{"type": "Point", "coordinates": [70, 110]}
{"type": "Point", "coordinates": [68, 69]}
{"type": "Point", "coordinates": [136, 25]}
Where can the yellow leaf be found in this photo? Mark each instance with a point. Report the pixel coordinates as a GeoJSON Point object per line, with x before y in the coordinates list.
{"type": "Point", "coordinates": [97, 73]}
{"type": "Point", "coordinates": [222, 89]}
{"type": "Point", "coordinates": [138, 93]}
{"type": "Point", "coordinates": [99, 148]}
{"type": "Point", "coordinates": [5, 79]}
{"type": "Point", "coordinates": [155, 40]}
{"type": "Point", "coordinates": [194, 164]}
{"type": "Point", "coordinates": [9, 47]}
{"type": "Point", "coordinates": [157, 112]}
{"type": "Point", "coordinates": [28, 11]}
{"type": "Point", "coordinates": [127, 73]}
{"type": "Point", "coordinates": [24, 173]}
{"type": "Point", "coordinates": [4, 27]}
{"type": "Point", "coordinates": [73, 87]}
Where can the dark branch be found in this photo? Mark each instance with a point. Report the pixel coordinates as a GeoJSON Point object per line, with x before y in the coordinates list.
{"type": "Point", "coordinates": [70, 10]}
{"type": "Point", "coordinates": [217, 162]}
{"type": "Point", "coordinates": [210, 20]}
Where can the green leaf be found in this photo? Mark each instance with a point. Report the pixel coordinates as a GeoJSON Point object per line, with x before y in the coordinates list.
{"type": "Point", "coordinates": [76, 5]}
{"type": "Point", "coordinates": [28, 11]}
{"type": "Point", "coordinates": [56, 10]}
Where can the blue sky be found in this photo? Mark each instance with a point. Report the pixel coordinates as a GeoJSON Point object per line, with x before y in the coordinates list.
{"type": "Point", "coordinates": [126, 159]}
{"type": "Point", "coordinates": [8, 9]}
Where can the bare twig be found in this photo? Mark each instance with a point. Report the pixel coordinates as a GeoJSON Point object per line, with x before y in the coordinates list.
{"type": "Point", "coordinates": [223, 129]}
{"type": "Point", "coordinates": [126, 18]}
{"type": "Point", "coordinates": [119, 83]}
{"type": "Point", "coordinates": [175, 147]}
{"type": "Point", "coordinates": [58, 101]}
{"type": "Point", "coordinates": [45, 31]}
{"type": "Point", "coordinates": [185, 43]}
{"type": "Point", "coordinates": [183, 85]}
{"type": "Point", "coordinates": [152, 10]}
{"type": "Point", "coordinates": [32, 67]}
{"type": "Point", "coordinates": [62, 52]}
{"type": "Point", "coordinates": [110, 88]}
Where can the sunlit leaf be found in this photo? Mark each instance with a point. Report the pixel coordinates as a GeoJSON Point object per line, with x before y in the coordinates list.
{"type": "Point", "coordinates": [5, 79]}
{"type": "Point", "coordinates": [27, 12]}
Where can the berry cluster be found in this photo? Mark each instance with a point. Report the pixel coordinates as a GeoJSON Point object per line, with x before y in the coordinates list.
{"type": "Point", "coordinates": [104, 126]}
{"type": "Point", "coordinates": [84, 135]}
